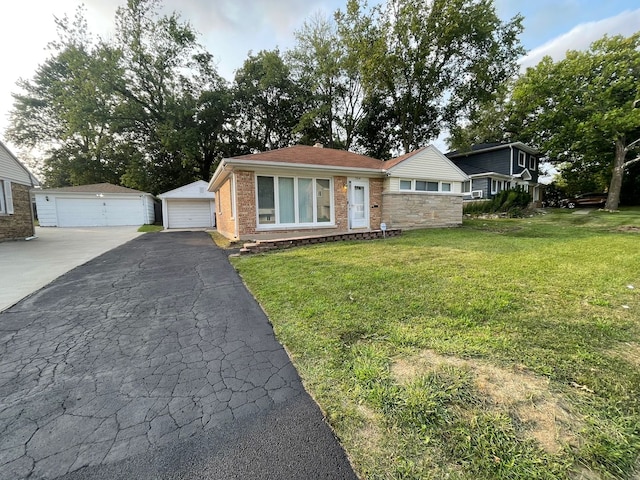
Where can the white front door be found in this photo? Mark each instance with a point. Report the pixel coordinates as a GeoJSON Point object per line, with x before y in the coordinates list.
{"type": "Point", "coordinates": [358, 203]}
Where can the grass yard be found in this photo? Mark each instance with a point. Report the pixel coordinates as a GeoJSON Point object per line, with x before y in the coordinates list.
{"type": "Point", "coordinates": [506, 348]}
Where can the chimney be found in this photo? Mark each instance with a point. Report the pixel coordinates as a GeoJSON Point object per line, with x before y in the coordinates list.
{"type": "Point", "coordinates": [318, 145]}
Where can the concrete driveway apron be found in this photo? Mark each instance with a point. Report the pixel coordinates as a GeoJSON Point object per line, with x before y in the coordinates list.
{"type": "Point", "coordinates": [26, 266]}
{"type": "Point", "coordinates": [154, 361]}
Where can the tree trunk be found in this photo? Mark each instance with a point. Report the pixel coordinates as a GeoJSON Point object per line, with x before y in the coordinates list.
{"type": "Point", "coordinates": [613, 199]}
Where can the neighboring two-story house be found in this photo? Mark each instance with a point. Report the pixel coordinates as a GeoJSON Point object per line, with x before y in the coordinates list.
{"type": "Point", "coordinates": [495, 167]}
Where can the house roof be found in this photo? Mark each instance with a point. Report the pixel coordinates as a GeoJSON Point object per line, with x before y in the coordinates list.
{"type": "Point", "coordinates": [395, 161]}
{"type": "Point", "coordinates": [19, 173]}
{"type": "Point", "coordinates": [306, 155]}
{"type": "Point", "coordinates": [94, 188]}
{"type": "Point", "coordinates": [490, 147]}
{"type": "Point", "coordinates": [197, 189]}
{"type": "Point", "coordinates": [469, 169]}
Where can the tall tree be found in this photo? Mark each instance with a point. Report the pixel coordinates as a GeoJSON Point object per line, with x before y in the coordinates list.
{"type": "Point", "coordinates": [580, 110]}
{"type": "Point", "coordinates": [267, 102]}
{"type": "Point", "coordinates": [487, 124]}
{"type": "Point", "coordinates": [64, 110]}
{"type": "Point", "coordinates": [434, 60]}
{"type": "Point", "coordinates": [158, 54]}
{"type": "Point", "coordinates": [328, 68]}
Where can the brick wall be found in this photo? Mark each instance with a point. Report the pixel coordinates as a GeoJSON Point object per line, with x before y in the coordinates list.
{"type": "Point", "coordinates": [20, 224]}
{"type": "Point", "coordinates": [375, 198]}
{"type": "Point", "coordinates": [225, 222]}
{"type": "Point", "coordinates": [246, 202]}
{"type": "Point", "coordinates": [341, 211]}
{"type": "Point", "coordinates": [420, 210]}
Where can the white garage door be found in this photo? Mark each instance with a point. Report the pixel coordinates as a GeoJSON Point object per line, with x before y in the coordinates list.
{"type": "Point", "coordinates": [189, 213]}
{"type": "Point", "coordinates": [99, 212]}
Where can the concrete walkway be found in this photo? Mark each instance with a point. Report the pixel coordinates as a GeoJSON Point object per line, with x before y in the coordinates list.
{"type": "Point", "coordinates": [28, 265]}
{"type": "Point", "coordinates": [154, 361]}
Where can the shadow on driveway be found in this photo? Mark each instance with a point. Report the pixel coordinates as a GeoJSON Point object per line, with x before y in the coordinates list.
{"type": "Point", "coordinates": [154, 361]}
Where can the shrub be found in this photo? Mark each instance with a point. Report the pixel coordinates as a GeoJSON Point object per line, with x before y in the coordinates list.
{"type": "Point", "coordinates": [512, 202]}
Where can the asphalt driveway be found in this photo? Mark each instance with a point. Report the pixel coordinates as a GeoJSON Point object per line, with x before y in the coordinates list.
{"type": "Point", "coordinates": [26, 266]}
{"type": "Point", "coordinates": [154, 361]}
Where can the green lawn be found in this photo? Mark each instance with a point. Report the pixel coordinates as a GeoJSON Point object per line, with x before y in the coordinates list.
{"type": "Point", "coordinates": [503, 349]}
{"type": "Point", "coordinates": [146, 228]}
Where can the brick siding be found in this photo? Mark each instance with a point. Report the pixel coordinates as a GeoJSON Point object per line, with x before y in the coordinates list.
{"type": "Point", "coordinates": [225, 222]}
{"type": "Point", "coordinates": [20, 223]}
{"type": "Point", "coordinates": [246, 202]}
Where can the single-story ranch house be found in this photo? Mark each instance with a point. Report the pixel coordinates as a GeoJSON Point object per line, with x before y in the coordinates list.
{"type": "Point", "coordinates": [304, 189]}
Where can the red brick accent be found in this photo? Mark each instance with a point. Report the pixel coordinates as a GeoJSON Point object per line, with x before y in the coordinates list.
{"type": "Point", "coordinates": [341, 208]}
{"type": "Point", "coordinates": [266, 245]}
{"type": "Point", "coordinates": [375, 198]}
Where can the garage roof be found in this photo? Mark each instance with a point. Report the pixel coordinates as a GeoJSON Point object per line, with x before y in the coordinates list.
{"type": "Point", "coordinates": [94, 188]}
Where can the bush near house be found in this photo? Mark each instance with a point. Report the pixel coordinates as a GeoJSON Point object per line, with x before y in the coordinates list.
{"type": "Point", "coordinates": [508, 348]}
{"type": "Point", "coordinates": [512, 202]}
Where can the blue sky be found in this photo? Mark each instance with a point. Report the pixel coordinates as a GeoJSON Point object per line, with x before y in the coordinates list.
{"type": "Point", "coordinates": [231, 28]}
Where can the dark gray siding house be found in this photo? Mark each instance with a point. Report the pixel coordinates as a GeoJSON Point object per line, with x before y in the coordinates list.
{"type": "Point", "coordinates": [499, 166]}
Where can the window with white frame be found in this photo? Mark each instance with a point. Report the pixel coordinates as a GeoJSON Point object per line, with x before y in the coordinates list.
{"type": "Point", "coordinates": [406, 185]}
{"type": "Point", "coordinates": [498, 185]}
{"type": "Point", "coordinates": [6, 199]}
{"type": "Point", "coordinates": [294, 201]}
{"type": "Point", "coordinates": [424, 186]}
{"type": "Point", "coordinates": [466, 187]}
{"type": "Point", "coordinates": [522, 159]}
{"type": "Point", "coordinates": [532, 162]}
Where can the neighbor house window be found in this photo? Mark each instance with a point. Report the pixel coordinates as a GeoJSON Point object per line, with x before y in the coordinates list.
{"type": "Point", "coordinates": [522, 159]}
{"type": "Point", "coordinates": [293, 200]}
{"type": "Point", "coordinates": [421, 186]}
{"type": "Point", "coordinates": [497, 185]}
{"type": "Point", "coordinates": [405, 184]}
{"type": "Point", "coordinates": [532, 163]}
{"type": "Point", "coordinates": [466, 187]}
{"type": "Point", "coordinates": [446, 187]}
{"type": "Point", "coordinates": [6, 200]}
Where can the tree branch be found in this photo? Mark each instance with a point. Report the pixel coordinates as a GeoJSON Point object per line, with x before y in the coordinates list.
{"type": "Point", "coordinates": [628, 147]}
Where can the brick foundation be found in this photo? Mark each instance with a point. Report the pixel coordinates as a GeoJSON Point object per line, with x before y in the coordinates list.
{"type": "Point", "coordinates": [266, 245]}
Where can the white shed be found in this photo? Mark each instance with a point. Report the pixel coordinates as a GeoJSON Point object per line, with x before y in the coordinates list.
{"type": "Point", "coordinates": [189, 206]}
{"type": "Point", "coordinates": [97, 205]}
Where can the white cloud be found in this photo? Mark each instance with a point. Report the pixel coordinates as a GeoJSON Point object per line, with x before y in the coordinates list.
{"type": "Point", "coordinates": [582, 36]}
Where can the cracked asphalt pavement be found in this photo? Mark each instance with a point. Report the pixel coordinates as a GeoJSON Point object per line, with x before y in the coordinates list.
{"type": "Point", "coordinates": [154, 361]}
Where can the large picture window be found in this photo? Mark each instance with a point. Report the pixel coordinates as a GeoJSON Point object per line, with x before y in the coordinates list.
{"type": "Point", "coordinates": [294, 201]}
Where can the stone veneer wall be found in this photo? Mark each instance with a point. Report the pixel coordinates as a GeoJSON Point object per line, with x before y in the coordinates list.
{"type": "Point", "coordinates": [421, 210]}
{"type": "Point", "coordinates": [20, 223]}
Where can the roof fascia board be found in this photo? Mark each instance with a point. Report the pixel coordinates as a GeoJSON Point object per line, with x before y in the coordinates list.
{"type": "Point", "coordinates": [333, 169]}
{"type": "Point", "coordinates": [519, 145]}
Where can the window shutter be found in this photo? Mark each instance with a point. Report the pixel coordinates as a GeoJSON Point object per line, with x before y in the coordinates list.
{"type": "Point", "coordinates": [8, 196]}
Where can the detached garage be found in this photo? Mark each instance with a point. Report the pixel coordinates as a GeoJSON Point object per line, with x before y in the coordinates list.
{"type": "Point", "coordinates": [190, 206]}
{"type": "Point", "coordinates": [98, 205]}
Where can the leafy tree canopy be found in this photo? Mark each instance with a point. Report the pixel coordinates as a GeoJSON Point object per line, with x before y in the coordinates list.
{"type": "Point", "coordinates": [580, 110]}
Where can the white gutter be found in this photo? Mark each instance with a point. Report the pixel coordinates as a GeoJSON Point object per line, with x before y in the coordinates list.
{"type": "Point", "coordinates": [304, 166]}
